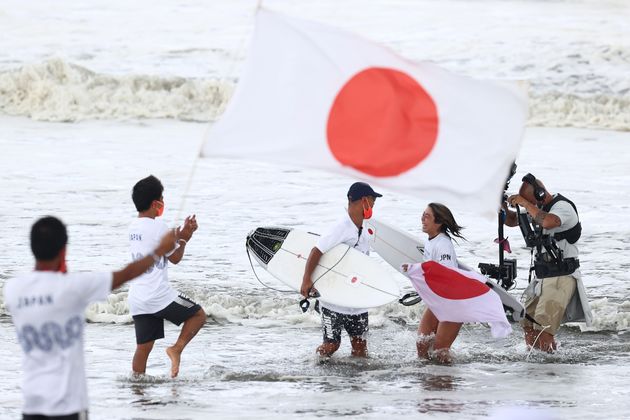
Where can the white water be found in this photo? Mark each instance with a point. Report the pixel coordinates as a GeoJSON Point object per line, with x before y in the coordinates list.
{"type": "Point", "coordinates": [255, 357]}
{"type": "Point", "coordinates": [127, 64]}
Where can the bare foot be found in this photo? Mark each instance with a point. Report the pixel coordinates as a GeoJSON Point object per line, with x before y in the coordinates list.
{"type": "Point", "coordinates": [443, 356]}
{"type": "Point", "coordinates": [424, 345]}
{"type": "Point", "coordinates": [175, 356]}
{"type": "Point", "coordinates": [546, 343]}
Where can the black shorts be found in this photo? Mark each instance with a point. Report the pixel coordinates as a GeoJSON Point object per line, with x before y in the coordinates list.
{"type": "Point", "coordinates": [76, 416]}
{"type": "Point", "coordinates": [150, 327]}
{"type": "Point", "coordinates": [333, 322]}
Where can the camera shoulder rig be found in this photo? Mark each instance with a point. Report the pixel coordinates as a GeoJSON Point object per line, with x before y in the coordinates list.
{"type": "Point", "coordinates": [573, 234]}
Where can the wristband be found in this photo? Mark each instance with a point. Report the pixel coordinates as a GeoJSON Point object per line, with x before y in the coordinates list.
{"type": "Point", "coordinates": [182, 240]}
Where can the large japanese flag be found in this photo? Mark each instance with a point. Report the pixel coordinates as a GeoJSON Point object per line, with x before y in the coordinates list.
{"type": "Point", "coordinates": [313, 95]}
{"type": "Point", "coordinates": [459, 296]}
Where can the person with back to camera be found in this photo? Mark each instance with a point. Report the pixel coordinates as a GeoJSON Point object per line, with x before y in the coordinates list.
{"type": "Point", "coordinates": [552, 296]}
{"type": "Point", "coordinates": [436, 337]}
{"type": "Point", "coordinates": [48, 310]}
{"type": "Point", "coordinates": [361, 199]}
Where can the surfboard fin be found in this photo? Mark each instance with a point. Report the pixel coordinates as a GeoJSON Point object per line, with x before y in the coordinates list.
{"type": "Point", "coordinates": [410, 299]}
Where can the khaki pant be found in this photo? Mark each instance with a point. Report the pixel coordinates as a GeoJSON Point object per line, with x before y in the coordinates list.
{"type": "Point", "coordinates": [548, 308]}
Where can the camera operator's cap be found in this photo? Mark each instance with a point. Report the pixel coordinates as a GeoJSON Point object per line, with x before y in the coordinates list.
{"type": "Point", "coordinates": [358, 190]}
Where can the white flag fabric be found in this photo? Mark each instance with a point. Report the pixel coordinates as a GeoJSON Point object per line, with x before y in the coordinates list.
{"type": "Point", "coordinates": [458, 295]}
{"type": "Point", "coordinates": [313, 95]}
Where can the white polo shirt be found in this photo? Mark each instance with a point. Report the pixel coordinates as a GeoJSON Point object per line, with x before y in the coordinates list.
{"type": "Point", "coordinates": [344, 232]}
{"type": "Point", "coordinates": [440, 249]}
{"type": "Point", "coordinates": [48, 311]}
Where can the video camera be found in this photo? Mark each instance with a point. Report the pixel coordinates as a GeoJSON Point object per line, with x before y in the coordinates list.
{"type": "Point", "coordinates": [505, 271]}
{"type": "Point", "coordinates": [550, 263]}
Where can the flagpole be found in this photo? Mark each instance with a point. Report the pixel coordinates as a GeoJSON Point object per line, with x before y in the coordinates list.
{"type": "Point", "coordinates": [193, 170]}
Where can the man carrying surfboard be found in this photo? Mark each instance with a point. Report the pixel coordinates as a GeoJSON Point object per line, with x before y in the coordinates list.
{"type": "Point", "coordinates": [151, 297]}
{"type": "Point", "coordinates": [348, 230]}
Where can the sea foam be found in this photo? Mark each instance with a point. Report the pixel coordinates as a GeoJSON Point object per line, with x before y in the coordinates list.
{"type": "Point", "coordinates": [56, 90]}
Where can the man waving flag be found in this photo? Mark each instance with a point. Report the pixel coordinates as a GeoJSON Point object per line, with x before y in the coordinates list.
{"type": "Point", "coordinates": [313, 95]}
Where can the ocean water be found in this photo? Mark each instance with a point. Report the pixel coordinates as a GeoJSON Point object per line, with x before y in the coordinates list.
{"type": "Point", "coordinates": [94, 96]}
{"type": "Point", "coordinates": [142, 59]}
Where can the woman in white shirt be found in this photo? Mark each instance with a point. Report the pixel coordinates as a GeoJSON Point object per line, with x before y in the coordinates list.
{"type": "Point", "coordinates": [439, 224]}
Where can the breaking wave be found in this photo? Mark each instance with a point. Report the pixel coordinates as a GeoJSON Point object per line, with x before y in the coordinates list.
{"type": "Point", "coordinates": [59, 91]}
{"type": "Point", "coordinates": [56, 90]}
{"type": "Point", "coordinates": [570, 110]}
{"type": "Point", "coordinates": [264, 310]}
{"type": "Point", "coordinates": [258, 310]}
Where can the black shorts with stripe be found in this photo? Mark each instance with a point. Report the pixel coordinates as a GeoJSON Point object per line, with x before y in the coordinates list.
{"type": "Point", "coordinates": [76, 416]}
{"type": "Point", "coordinates": [150, 327]}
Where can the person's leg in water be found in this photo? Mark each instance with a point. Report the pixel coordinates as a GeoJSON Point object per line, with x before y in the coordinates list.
{"type": "Point", "coordinates": [140, 357]}
{"type": "Point", "coordinates": [357, 327]}
{"type": "Point", "coordinates": [545, 342]}
{"type": "Point", "coordinates": [528, 328]}
{"type": "Point", "coordinates": [359, 346]}
{"type": "Point", "coordinates": [539, 339]}
{"type": "Point", "coordinates": [549, 311]}
{"type": "Point", "coordinates": [332, 333]}
{"type": "Point", "coordinates": [148, 328]}
{"type": "Point", "coordinates": [426, 333]}
{"type": "Point", "coordinates": [191, 327]}
{"type": "Point", "coordinates": [327, 349]}
{"type": "Point", "coordinates": [530, 335]}
{"type": "Point", "coordinates": [446, 334]}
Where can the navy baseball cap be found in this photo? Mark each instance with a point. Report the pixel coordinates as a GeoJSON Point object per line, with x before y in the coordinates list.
{"type": "Point", "coordinates": [358, 190]}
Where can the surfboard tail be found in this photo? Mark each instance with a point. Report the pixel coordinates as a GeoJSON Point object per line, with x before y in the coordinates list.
{"type": "Point", "coordinates": [264, 242]}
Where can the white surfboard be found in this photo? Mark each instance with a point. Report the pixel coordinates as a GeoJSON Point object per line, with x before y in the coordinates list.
{"type": "Point", "coordinates": [398, 247]}
{"type": "Point", "coordinates": [345, 276]}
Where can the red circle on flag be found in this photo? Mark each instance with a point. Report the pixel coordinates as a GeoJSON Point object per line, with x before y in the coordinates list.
{"type": "Point", "coordinates": [382, 123]}
{"type": "Point", "coordinates": [450, 284]}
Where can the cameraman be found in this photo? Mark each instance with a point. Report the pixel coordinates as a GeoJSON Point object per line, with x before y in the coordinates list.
{"type": "Point", "coordinates": [548, 296]}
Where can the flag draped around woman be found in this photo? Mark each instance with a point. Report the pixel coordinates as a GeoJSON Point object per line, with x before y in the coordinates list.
{"type": "Point", "coordinates": [457, 295]}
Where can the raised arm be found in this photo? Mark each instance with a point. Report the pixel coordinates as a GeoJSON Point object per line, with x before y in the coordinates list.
{"type": "Point", "coordinates": [138, 267]}
{"type": "Point", "coordinates": [183, 236]}
{"type": "Point", "coordinates": [541, 217]}
{"type": "Point", "coordinates": [511, 218]}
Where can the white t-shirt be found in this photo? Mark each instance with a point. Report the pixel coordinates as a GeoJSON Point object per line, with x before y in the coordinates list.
{"type": "Point", "coordinates": [441, 249]}
{"type": "Point", "coordinates": [344, 232]}
{"type": "Point", "coordinates": [150, 292]}
{"type": "Point", "coordinates": [568, 219]}
{"type": "Point", "coordinates": [48, 311]}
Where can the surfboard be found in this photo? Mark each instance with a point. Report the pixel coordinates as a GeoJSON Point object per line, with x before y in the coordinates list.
{"type": "Point", "coordinates": [398, 247]}
{"type": "Point", "coordinates": [344, 276]}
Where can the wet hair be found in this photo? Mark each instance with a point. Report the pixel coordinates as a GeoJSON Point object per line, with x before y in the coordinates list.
{"type": "Point", "coordinates": [145, 192]}
{"type": "Point", "coordinates": [443, 215]}
{"type": "Point", "coordinates": [48, 238]}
